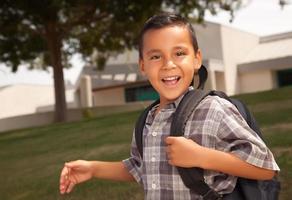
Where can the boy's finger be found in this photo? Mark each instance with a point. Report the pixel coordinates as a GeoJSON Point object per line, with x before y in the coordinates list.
{"type": "Point", "coordinates": [169, 140]}
{"type": "Point", "coordinates": [73, 164]}
{"type": "Point", "coordinates": [169, 157]}
{"type": "Point", "coordinates": [167, 149]}
{"type": "Point", "coordinates": [70, 187]}
{"type": "Point", "coordinates": [170, 162]}
{"type": "Point", "coordinates": [63, 188]}
{"type": "Point", "coordinates": [70, 164]}
{"type": "Point", "coordinates": [64, 182]}
{"type": "Point", "coordinates": [64, 174]}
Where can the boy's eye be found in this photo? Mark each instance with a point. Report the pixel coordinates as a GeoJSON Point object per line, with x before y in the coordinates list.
{"type": "Point", "coordinates": [154, 57]}
{"type": "Point", "coordinates": [180, 53]}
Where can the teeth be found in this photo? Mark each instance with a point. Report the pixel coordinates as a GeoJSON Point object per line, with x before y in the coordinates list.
{"type": "Point", "coordinates": [172, 78]}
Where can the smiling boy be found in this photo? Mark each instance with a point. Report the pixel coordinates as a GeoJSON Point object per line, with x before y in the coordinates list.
{"type": "Point", "coordinates": [169, 61]}
{"type": "Point", "coordinates": [216, 137]}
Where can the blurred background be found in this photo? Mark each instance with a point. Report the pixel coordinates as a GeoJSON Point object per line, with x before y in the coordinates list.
{"type": "Point", "coordinates": [69, 80]}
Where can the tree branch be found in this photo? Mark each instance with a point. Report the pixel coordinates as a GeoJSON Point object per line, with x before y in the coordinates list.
{"type": "Point", "coordinates": [88, 17]}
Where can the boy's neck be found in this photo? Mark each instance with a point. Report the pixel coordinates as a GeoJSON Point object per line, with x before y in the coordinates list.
{"type": "Point", "coordinates": [164, 102]}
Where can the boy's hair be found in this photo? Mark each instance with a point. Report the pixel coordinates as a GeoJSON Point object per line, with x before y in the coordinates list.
{"type": "Point", "coordinates": [162, 20]}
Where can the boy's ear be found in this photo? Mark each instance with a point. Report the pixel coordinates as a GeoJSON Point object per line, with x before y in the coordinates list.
{"type": "Point", "coordinates": [141, 67]}
{"type": "Point", "coordinates": [198, 61]}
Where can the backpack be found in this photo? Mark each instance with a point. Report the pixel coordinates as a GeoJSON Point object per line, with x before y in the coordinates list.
{"type": "Point", "coordinates": [193, 178]}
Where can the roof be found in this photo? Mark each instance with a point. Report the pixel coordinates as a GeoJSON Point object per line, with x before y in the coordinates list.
{"type": "Point", "coordinates": [3, 87]}
{"type": "Point", "coordinates": [114, 75]}
{"type": "Point", "coordinates": [271, 47]}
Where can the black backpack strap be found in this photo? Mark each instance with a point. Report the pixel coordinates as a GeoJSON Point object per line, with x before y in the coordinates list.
{"type": "Point", "coordinates": [140, 126]}
{"type": "Point", "coordinates": [193, 178]}
{"type": "Point", "coordinates": [184, 110]}
{"type": "Point", "coordinates": [243, 110]}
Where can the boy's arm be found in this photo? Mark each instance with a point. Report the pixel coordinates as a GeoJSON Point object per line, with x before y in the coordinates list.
{"type": "Point", "coordinates": [231, 164]}
{"type": "Point", "coordinates": [111, 170]}
{"type": "Point", "coordinates": [79, 171]}
{"type": "Point", "coordinates": [186, 153]}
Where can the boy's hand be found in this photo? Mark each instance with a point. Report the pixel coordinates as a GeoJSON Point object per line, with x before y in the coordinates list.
{"type": "Point", "coordinates": [73, 173]}
{"type": "Point", "coordinates": [183, 152]}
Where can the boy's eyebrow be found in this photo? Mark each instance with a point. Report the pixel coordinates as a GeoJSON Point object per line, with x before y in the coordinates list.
{"type": "Point", "coordinates": [158, 51]}
{"type": "Point", "coordinates": [180, 47]}
{"type": "Point", "coordinates": [152, 51]}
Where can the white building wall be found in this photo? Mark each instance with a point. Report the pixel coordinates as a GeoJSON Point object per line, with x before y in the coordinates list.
{"type": "Point", "coordinates": [220, 81]}
{"type": "Point", "coordinates": [209, 40]}
{"type": "Point", "coordinates": [115, 96]}
{"type": "Point", "coordinates": [256, 81]}
{"type": "Point", "coordinates": [22, 99]}
{"type": "Point", "coordinates": [236, 46]}
{"type": "Point", "coordinates": [126, 57]}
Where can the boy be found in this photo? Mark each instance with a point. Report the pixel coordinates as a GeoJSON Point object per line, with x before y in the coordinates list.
{"type": "Point", "coordinates": [216, 137]}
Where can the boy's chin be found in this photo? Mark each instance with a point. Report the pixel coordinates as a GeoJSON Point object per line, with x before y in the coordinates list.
{"type": "Point", "coordinates": [171, 96]}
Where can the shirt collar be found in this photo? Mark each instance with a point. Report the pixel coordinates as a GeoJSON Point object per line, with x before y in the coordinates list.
{"type": "Point", "coordinates": [172, 105]}
{"type": "Point", "coordinates": [178, 100]}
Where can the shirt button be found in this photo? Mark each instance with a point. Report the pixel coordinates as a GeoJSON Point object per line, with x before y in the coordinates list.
{"type": "Point", "coordinates": [153, 186]}
{"type": "Point", "coordinates": [154, 133]}
{"type": "Point", "coordinates": [153, 159]}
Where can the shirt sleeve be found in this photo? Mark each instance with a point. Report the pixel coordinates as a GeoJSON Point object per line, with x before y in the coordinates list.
{"type": "Point", "coordinates": [134, 162]}
{"type": "Point", "coordinates": [235, 136]}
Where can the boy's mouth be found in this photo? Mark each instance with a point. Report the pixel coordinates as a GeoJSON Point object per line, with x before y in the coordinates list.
{"type": "Point", "coordinates": [171, 80]}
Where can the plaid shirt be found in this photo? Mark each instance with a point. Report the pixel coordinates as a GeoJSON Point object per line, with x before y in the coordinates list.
{"type": "Point", "coordinates": [216, 124]}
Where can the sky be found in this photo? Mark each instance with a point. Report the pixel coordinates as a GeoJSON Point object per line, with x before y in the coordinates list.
{"type": "Point", "coordinates": [261, 17]}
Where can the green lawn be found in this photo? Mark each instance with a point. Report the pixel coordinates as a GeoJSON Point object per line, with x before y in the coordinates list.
{"type": "Point", "coordinates": [31, 159]}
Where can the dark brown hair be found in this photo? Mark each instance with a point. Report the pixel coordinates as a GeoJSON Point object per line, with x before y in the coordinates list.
{"type": "Point", "coordinates": [162, 20]}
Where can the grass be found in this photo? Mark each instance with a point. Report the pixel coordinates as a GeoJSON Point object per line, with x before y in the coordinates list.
{"type": "Point", "coordinates": [31, 159]}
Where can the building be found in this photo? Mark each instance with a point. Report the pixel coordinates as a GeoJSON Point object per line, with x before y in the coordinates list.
{"type": "Point", "coordinates": [241, 62]}
{"type": "Point", "coordinates": [24, 99]}
{"type": "Point", "coordinates": [237, 62]}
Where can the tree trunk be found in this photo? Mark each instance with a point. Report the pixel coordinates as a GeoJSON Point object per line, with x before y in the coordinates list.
{"type": "Point", "coordinates": [54, 43]}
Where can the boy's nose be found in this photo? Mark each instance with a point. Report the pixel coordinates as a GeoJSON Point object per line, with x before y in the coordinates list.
{"type": "Point", "coordinates": [169, 64]}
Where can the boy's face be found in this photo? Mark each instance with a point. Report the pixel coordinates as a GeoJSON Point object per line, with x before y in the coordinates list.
{"type": "Point", "coordinates": [169, 61]}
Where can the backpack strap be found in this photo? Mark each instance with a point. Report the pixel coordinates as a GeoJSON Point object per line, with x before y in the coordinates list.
{"type": "Point", "coordinates": [184, 110]}
{"type": "Point", "coordinates": [243, 110]}
{"type": "Point", "coordinates": [193, 177]}
{"type": "Point", "coordinates": [140, 126]}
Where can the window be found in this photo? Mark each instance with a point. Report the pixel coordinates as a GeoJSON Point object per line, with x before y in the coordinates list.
{"type": "Point", "coordinates": [142, 93]}
{"type": "Point", "coordinates": [284, 77]}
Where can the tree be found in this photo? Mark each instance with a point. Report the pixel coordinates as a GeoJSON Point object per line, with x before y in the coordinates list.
{"type": "Point", "coordinates": [53, 30]}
